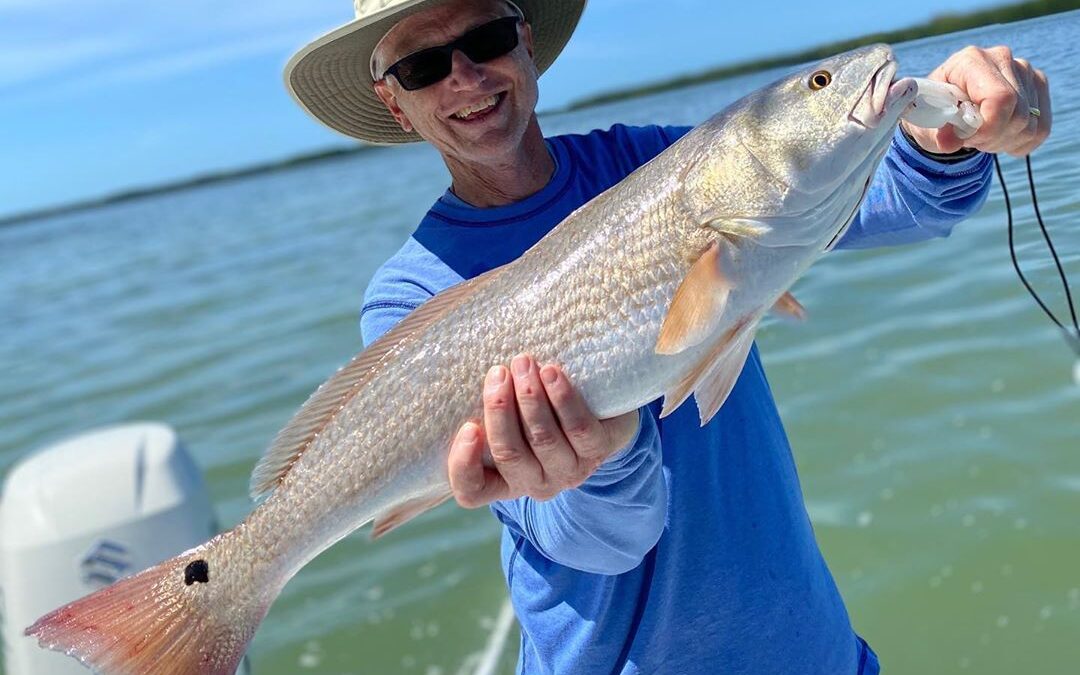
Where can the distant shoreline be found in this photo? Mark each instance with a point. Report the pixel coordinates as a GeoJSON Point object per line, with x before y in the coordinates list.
{"type": "Point", "coordinates": [187, 183]}
{"type": "Point", "coordinates": [948, 23]}
{"type": "Point", "coordinates": [941, 25]}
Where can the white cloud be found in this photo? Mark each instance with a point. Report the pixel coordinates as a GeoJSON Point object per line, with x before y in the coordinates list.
{"type": "Point", "coordinates": [21, 63]}
{"type": "Point", "coordinates": [155, 68]}
{"type": "Point", "coordinates": [188, 60]}
{"type": "Point", "coordinates": [54, 48]}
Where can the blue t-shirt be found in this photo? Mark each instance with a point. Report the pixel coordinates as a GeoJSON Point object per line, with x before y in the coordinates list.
{"type": "Point", "coordinates": [690, 550]}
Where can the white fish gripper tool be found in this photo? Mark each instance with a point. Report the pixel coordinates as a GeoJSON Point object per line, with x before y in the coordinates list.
{"type": "Point", "coordinates": [941, 103]}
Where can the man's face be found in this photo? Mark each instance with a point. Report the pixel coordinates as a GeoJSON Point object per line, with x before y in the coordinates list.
{"type": "Point", "coordinates": [435, 111]}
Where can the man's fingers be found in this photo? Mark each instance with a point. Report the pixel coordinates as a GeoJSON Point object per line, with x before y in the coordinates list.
{"type": "Point", "coordinates": [1046, 111]}
{"type": "Point", "coordinates": [1028, 130]}
{"type": "Point", "coordinates": [1046, 116]}
{"type": "Point", "coordinates": [1006, 89]}
{"type": "Point", "coordinates": [987, 77]}
{"type": "Point", "coordinates": [541, 435]}
{"type": "Point", "coordinates": [539, 426]}
{"type": "Point", "coordinates": [582, 429]}
{"type": "Point", "coordinates": [998, 111]}
{"type": "Point", "coordinates": [472, 483]}
{"type": "Point", "coordinates": [512, 456]}
{"type": "Point", "coordinates": [947, 139]}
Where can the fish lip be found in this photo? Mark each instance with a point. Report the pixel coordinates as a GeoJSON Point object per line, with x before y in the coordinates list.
{"type": "Point", "coordinates": [880, 95]}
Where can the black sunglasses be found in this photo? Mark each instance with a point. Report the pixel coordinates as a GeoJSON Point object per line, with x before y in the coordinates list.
{"type": "Point", "coordinates": [483, 43]}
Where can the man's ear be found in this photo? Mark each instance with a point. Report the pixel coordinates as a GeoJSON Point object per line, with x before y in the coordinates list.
{"type": "Point", "coordinates": [382, 90]}
{"type": "Point", "coordinates": [527, 38]}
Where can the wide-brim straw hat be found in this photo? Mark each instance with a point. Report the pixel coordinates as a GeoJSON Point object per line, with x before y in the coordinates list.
{"type": "Point", "coordinates": [331, 77]}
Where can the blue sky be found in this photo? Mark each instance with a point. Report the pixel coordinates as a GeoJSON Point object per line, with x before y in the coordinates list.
{"type": "Point", "coordinates": [102, 96]}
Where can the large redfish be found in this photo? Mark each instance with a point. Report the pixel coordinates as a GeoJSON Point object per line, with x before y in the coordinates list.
{"type": "Point", "coordinates": [654, 288]}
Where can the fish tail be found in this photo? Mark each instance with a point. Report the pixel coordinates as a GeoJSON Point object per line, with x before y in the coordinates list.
{"type": "Point", "coordinates": [192, 614]}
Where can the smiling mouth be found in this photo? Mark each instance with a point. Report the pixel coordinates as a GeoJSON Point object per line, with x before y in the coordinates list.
{"type": "Point", "coordinates": [480, 109]}
{"type": "Point", "coordinates": [880, 95]}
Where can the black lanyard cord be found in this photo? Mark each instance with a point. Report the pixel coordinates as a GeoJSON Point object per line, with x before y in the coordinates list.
{"type": "Point", "coordinates": [1072, 339]}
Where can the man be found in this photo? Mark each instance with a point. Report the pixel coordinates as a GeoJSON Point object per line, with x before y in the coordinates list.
{"type": "Point", "coordinates": [630, 545]}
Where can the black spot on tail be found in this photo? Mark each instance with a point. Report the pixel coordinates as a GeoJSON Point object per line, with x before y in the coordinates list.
{"type": "Point", "coordinates": [197, 571]}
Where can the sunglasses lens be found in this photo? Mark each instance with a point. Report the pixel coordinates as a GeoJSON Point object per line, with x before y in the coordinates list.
{"type": "Point", "coordinates": [483, 43]}
{"type": "Point", "coordinates": [422, 69]}
{"type": "Point", "coordinates": [491, 40]}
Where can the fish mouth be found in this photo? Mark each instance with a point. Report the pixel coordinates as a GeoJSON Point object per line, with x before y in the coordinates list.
{"type": "Point", "coordinates": [882, 95]}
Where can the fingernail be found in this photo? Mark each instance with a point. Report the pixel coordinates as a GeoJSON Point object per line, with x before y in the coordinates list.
{"type": "Point", "coordinates": [520, 366]}
{"type": "Point", "coordinates": [548, 374]}
{"type": "Point", "coordinates": [469, 433]}
{"type": "Point", "coordinates": [496, 376]}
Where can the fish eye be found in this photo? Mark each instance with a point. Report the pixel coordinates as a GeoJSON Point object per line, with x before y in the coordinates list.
{"type": "Point", "coordinates": [820, 80]}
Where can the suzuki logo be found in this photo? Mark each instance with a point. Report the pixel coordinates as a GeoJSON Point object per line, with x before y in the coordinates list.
{"type": "Point", "coordinates": [104, 563]}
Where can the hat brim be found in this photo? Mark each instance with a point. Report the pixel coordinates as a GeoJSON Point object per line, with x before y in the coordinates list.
{"type": "Point", "coordinates": [331, 77]}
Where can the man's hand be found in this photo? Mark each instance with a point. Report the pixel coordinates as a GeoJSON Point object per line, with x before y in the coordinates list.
{"type": "Point", "coordinates": [1006, 89]}
{"type": "Point", "coordinates": [541, 435]}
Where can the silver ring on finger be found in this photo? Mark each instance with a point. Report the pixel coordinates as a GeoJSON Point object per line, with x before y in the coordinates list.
{"type": "Point", "coordinates": [1033, 111]}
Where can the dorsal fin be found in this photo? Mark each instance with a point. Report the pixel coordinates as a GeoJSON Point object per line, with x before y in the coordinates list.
{"type": "Point", "coordinates": [323, 405]}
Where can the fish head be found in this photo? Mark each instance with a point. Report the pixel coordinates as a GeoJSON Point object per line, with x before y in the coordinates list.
{"type": "Point", "coordinates": [815, 128]}
{"type": "Point", "coordinates": [807, 144]}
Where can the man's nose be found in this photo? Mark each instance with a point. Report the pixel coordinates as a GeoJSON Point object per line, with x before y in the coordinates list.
{"type": "Point", "coordinates": [464, 74]}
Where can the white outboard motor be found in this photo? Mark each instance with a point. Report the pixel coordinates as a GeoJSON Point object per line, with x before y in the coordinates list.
{"type": "Point", "coordinates": [78, 515]}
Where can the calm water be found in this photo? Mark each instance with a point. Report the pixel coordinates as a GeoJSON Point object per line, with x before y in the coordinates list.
{"type": "Point", "coordinates": [929, 403]}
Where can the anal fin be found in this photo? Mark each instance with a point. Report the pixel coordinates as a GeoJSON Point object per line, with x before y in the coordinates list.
{"type": "Point", "coordinates": [718, 382]}
{"type": "Point", "coordinates": [708, 379]}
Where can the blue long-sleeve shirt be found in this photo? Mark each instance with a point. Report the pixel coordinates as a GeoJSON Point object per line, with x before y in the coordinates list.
{"type": "Point", "coordinates": [688, 551]}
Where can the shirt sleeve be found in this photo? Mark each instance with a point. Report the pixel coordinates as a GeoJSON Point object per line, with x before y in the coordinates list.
{"type": "Point", "coordinates": [380, 316]}
{"type": "Point", "coordinates": [674, 133]}
{"type": "Point", "coordinates": [914, 197]}
{"type": "Point", "coordinates": [404, 282]}
{"type": "Point", "coordinates": [608, 523]}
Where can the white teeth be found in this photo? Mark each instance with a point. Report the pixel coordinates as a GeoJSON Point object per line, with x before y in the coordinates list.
{"type": "Point", "coordinates": [482, 105]}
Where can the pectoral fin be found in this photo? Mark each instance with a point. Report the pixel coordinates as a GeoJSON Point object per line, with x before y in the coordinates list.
{"type": "Point", "coordinates": [790, 307]}
{"type": "Point", "coordinates": [742, 228]}
{"type": "Point", "coordinates": [697, 305]}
